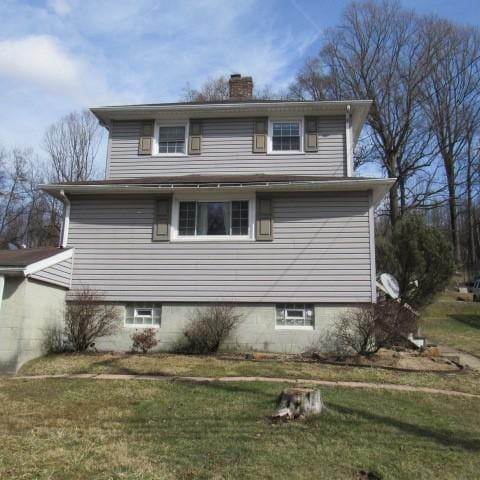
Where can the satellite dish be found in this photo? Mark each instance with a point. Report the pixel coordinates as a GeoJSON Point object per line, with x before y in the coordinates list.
{"type": "Point", "coordinates": [390, 285]}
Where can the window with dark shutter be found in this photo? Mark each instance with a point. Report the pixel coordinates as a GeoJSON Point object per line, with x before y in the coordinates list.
{"type": "Point", "coordinates": [260, 135]}
{"type": "Point", "coordinates": [264, 223]}
{"type": "Point", "coordinates": [161, 224]}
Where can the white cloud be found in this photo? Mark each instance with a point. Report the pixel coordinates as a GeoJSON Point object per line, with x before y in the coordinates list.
{"type": "Point", "coordinates": [61, 7]}
{"type": "Point", "coordinates": [41, 60]}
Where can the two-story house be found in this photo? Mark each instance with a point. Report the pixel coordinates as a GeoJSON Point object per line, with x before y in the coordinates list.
{"type": "Point", "coordinates": [244, 201]}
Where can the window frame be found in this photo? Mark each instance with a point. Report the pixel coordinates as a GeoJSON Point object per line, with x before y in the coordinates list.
{"type": "Point", "coordinates": [301, 131]}
{"type": "Point", "coordinates": [137, 306]}
{"type": "Point", "coordinates": [223, 197]}
{"type": "Point", "coordinates": [156, 133]}
{"type": "Point", "coordinates": [295, 327]}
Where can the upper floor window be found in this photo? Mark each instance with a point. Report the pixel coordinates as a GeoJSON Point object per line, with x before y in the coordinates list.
{"type": "Point", "coordinates": [171, 140]}
{"type": "Point", "coordinates": [285, 136]}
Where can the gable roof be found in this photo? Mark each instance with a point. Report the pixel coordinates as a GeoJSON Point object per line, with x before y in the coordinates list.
{"type": "Point", "coordinates": [25, 256]}
{"type": "Point", "coordinates": [27, 262]}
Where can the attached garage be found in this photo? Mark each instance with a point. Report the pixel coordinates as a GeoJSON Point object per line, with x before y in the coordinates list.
{"type": "Point", "coordinates": [33, 285]}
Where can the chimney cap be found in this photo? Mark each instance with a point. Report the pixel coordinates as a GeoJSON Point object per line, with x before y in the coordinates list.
{"type": "Point", "coordinates": [235, 75]}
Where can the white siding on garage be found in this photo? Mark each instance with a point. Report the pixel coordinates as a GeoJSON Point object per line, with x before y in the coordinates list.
{"type": "Point", "coordinates": [227, 148]}
{"type": "Point", "coordinates": [320, 253]}
{"type": "Point", "coordinates": [58, 274]}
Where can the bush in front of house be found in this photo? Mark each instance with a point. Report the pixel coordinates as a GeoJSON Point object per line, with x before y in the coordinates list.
{"type": "Point", "coordinates": [87, 318]}
{"type": "Point", "coordinates": [143, 340]}
{"type": "Point", "coordinates": [368, 328]}
{"type": "Point", "coordinates": [416, 252]}
{"type": "Point", "coordinates": [53, 340]}
{"type": "Point", "coordinates": [209, 328]}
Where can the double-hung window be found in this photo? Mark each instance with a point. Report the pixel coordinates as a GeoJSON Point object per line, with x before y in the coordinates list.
{"type": "Point", "coordinates": [171, 139]}
{"type": "Point", "coordinates": [286, 136]}
{"type": "Point", "coordinates": [210, 219]}
{"type": "Point", "coordinates": [295, 315]}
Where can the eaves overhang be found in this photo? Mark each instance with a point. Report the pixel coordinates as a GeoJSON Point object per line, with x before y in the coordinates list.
{"type": "Point", "coordinates": [173, 111]}
{"type": "Point", "coordinates": [378, 186]}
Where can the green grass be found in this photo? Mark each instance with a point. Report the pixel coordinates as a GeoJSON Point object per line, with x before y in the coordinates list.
{"type": "Point", "coordinates": [454, 323]}
{"type": "Point", "coordinates": [77, 429]}
{"type": "Point", "coordinates": [215, 366]}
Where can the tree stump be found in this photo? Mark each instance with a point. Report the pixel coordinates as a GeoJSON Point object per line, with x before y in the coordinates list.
{"type": "Point", "coordinates": [296, 403]}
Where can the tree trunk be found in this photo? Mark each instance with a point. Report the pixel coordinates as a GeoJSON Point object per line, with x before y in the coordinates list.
{"type": "Point", "coordinates": [452, 206]}
{"type": "Point", "coordinates": [298, 403]}
{"type": "Point", "coordinates": [470, 220]}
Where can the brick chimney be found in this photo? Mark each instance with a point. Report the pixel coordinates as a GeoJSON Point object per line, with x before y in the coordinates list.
{"type": "Point", "coordinates": [240, 88]}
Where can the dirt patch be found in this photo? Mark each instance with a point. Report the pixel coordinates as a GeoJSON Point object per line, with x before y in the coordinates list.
{"type": "Point", "coordinates": [408, 360]}
{"type": "Point", "coordinates": [405, 360]}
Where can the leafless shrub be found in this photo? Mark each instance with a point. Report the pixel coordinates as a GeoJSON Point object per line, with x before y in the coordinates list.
{"type": "Point", "coordinates": [88, 318]}
{"type": "Point", "coordinates": [209, 328]}
{"type": "Point", "coordinates": [53, 340]}
{"type": "Point", "coordinates": [367, 329]}
{"type": "Point", "coordinates": [143, 340]}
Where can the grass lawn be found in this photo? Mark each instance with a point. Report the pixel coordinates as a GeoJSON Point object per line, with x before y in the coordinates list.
{"type": "Point", "coordinates": [215, 366]}
{"type": "Point", "coordinates": [77, 429]}
{"type": "Point", "coordinates": [453, 323]}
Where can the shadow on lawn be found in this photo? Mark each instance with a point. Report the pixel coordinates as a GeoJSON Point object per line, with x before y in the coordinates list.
{"type": "Point", "coordinates": [114, 365]}
{"type": "Point", "coordinates": [444, 437]}
{"type": "Point", "coordinates": [470, 320]}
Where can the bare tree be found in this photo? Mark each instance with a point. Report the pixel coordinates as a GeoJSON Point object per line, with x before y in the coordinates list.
{"type": "Point", "coordinates": [28, 217]}
{"type": "Point", "coordinates": [217, 89]}
{"type": "Point", "coordinates": [212, 90]}
{"type": "Point", "coordinates": [72, 145]}
{"type": "Point", "coordinates": [451, 101]}
{"type": "Point", "coordinates": [379, 52]}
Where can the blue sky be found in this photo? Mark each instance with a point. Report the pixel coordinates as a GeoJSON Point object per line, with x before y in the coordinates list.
{"type": "Point", "coordinates": [61, 55]}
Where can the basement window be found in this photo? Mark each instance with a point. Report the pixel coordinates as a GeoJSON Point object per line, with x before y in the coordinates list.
{"type": "Point", "coordinates": [295, 316]}
{"type": "Point", "coordinates": [146, 315]}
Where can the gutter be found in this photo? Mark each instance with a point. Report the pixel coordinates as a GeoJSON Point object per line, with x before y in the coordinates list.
{"type": "Point", "coordinates": [378, 186]}
{"type": "Point", "coordinates": [66, 219]}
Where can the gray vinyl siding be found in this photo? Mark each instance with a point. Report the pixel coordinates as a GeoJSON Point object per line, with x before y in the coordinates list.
{"type": "Point", "coordinates": [58, 274]}
{"type": "Point", "coordinates": [320, 253]}
{"type": "Point", "coordinates": [227, 148]}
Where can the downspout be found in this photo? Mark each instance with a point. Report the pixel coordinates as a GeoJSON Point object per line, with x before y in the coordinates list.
{"type": "Point", "coordinates": [66, 220]}
{"type": "Point", "coordinates": [2, 285]}
{"type": "Point", "coordinates": [349, 141]}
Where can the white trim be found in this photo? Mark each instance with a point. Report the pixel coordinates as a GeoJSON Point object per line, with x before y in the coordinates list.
{"type": "Point", "coordinates": [218, 197]}
{"type": "Point", "coordinates": [66, 219]}
{"type": "Point", "coordinates": [293, 327]}
{"type": "Point", "coordinates": [48, 262]}
{"type": "Point", "coordinates": [373, 267]}
{"type": "Point", "coordinates": [109, 153]}
{"type": "Point", "coordinates": [348, 141]}
{"type": "Point", "coordinates": [2, 285]}
{"type": "Point", "coordinates": [169, 123]}
{"type": "Point", "coordinates": [271, 121]}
